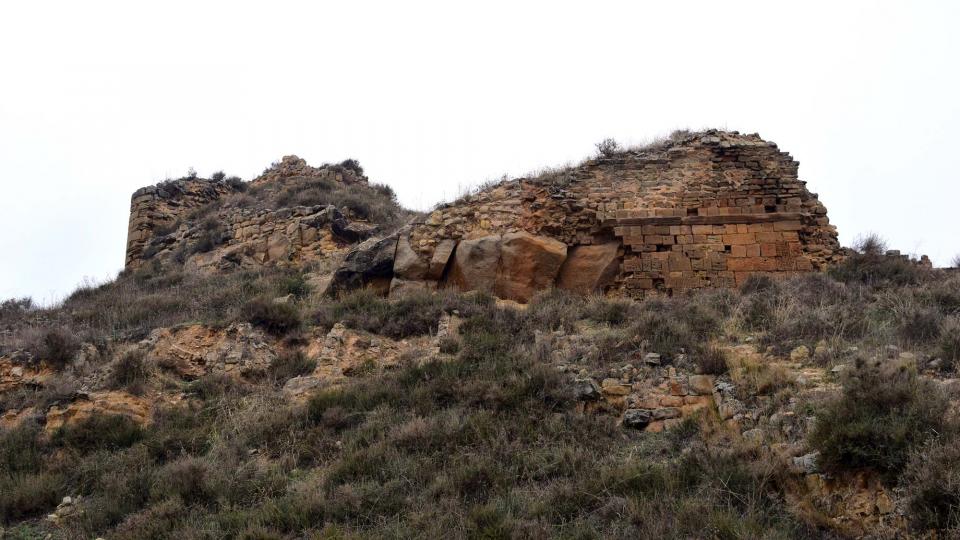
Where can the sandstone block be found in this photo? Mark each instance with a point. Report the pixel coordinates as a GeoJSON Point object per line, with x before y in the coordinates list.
{"type": "Point", "coordinates": [475, 264]}
{"type": "Point", "coordinates": [528, 264]}
{"type": "Point", "coordinates": [589, 268]}
{"type": "Point", "coordinates": [407, 263]}
{"type": "Point", "coordinates": [441, 255]}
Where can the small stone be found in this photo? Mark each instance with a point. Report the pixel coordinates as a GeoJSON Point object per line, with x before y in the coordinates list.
{"type": "Point", "coordinates": [586, 390]}
{"type": "Point", "coordinates": [613, 387]}
{"type": "Point", "coordinates": [637, 418]}
{"type": "Point", "coordinates": [807, 463]}
{"type": "Point", "coordinates": [666, 413]}
{"type": "Point", "coordinates": [753, 435]}
{"type": "Point", "coordinates": [701, 384]}
{"type": "Point", "coordinates": [652, 358]}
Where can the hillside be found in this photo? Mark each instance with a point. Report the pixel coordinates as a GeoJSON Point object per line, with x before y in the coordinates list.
{"type": "Point", "coordinates": [663, 342]}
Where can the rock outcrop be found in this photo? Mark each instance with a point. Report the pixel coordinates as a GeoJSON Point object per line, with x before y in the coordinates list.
{"type": "Point", "coordinates": [219, 225]}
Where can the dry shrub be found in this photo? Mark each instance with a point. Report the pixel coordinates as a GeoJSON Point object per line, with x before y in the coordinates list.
{"type": "Point", "coordinates": [711, 360]}
{"type": "Point", "coordinates": [884, 412]}
{"type": "Point", "coordinates": [275, 317]}
{"type": "Point", "coordinates": [932, 483]}
{"type": "Point", "coordinates": [130, 371]}
{"type": "Point", "coordinates": [57, 346]}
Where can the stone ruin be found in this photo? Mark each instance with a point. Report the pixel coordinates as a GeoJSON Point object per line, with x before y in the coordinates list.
{"type": "Point", "coordinates": [697, 210]}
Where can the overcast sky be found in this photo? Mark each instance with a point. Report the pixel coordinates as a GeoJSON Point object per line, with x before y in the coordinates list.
{"type": "Point", "coordinates": [100, 98]}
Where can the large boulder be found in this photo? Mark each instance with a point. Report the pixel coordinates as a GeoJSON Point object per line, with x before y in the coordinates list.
{"type": "Point", "coordinates": [475, 264]}
{"type": "Point", "coordinates": [589, 268]}
{"type": "Point", "coordinates": [441, 255]}
{"type": "Point", "coordinates": [368, 264]}
{"type": "Point", "coordinates": [528, 264]}
{"type": "Point", "coordinates": [407, 264]}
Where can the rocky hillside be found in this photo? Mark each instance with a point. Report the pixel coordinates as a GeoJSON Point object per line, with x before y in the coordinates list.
{"type": "Point", "coordinates": [298, 357]}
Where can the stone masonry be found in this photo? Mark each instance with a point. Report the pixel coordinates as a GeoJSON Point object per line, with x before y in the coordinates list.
{"type": "Point", "coordinates": [698, 210]}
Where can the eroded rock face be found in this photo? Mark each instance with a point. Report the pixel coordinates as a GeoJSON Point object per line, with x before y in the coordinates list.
{"type": "Point", "coordinates": [14, 374]}
{"type": "Point", "coordinates": [138, 409]}
{"type": "Point", "coordinates": [195, 350]}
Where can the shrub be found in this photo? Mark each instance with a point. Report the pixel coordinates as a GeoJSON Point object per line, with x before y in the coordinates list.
{"type": "Point", "coordinates": [236, 183]}
{"type": "Point", "coordinates": [949, 345]}
{"type": "Point", "coordinates": [920, 324]}
{"type": "Point", "coordinates": [878, 270]}
{"type": "Point", "coordinates": [295, 284]}
{"type": "Point", "coordinates": [883, 413]}
{"type": "Point", "coordinates": [758, 283]}
{"type": "Point", "coordinates": [711, 360]}
{"type": "Point", "coordinates": [130, 372]}
{"type": "Point", "coordinates": [99, 432]}
{"type": "Point", "coordinates": [27, 495]}
{"type": "Point", "coordinates": [870, 244]}
{"type": "Point", "coordinates": [274, 317]}
{"type": "Point", "coordinates": [187, 478]}
{"type": "Point", "coordinates": [353, 165]}
{"type": "Point", "coordinates": [218, 176]}
{"type": "Point", "coordinates": [20, 451]}
{"type": "Point", "coordinates": [15, 307]}
{"type": "Point", "coordinates": [932, 482]}
{"type": "Point", "coordinates": [608, 148]}
{"type": "Point", "coordinates": [212, 235]}
{"type": "Point", "coordinates": [289, 365]}
{"type": "Point", "coordinates": [410, 315]}
{"type": "Point", "coordinates": [955, 263]}
{"type": "Point", "coordinates": [664, 334]}
{"type": "Point", "coordinates": [58, 347]}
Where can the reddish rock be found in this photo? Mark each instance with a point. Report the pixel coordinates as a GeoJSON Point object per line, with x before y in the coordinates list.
{"type": "Point", "coordinates": [589, 268]}
{"type": "Point", "coordinates": [528, 264]}
{"type": "Point", "coordinates": [475, 264]}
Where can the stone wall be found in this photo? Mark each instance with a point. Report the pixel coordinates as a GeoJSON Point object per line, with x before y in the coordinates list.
{"type": "Point", "coordinates": [699, 210]}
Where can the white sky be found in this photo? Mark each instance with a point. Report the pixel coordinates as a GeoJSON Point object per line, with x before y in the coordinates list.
{"type": "Point", "coordinates": [100, 98]}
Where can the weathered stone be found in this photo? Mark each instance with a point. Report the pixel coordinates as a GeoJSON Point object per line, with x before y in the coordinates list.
{"type": "Point", "coordinates": [666, 413]}
{"type": "Point", "coordinates": [475, 264]}
{"type": "Point", "coordinates": [400, 287]}
{"type": "Point", "coordinates": [407, 264]}
{"type": "Point", "coordinates": [589, 268]}
{"type": "Point", "coordinates": [614, 387]}
{"type": "Point", "coordinates": [754, 435]}
{"type": "Point", "coordinates": [652, 359]}
{"type": "Point", "coordinates": [637, 418]}
{"type": "Point", "coordinates": [528, 264]}
{"type": "Point", "coordinates": [440, 258]}
{"type": "Point", "coordinates": [701, 384]}
{"type": "Point", "coordinates": [807, 463]}
{"type": "Point", "coordinates": [586, 390]}
{"type": "Point", "coordinates": [370, 263]}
